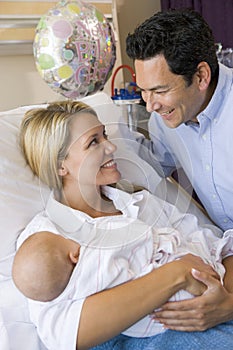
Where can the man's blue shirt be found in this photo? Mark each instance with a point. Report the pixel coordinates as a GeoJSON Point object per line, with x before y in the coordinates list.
{"type": "Point", "coordinates": [204, 151]}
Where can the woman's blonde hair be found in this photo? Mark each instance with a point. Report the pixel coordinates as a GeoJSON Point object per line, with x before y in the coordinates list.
{"type": "Point", "coordinates": [45, 135]}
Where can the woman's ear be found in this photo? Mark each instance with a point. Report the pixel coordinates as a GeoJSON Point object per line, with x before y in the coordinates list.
{"type": "Point", "coordinates": [203, 75]}
{"type": "Point", "coordinates": [62, 171]}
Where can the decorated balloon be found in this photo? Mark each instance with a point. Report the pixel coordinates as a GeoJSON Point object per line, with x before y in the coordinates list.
{"type": "Point", "coordinates": [74, 49]}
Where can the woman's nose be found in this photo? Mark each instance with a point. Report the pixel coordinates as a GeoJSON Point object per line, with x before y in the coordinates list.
{"type": "Point", "coordinates": [109, 147]}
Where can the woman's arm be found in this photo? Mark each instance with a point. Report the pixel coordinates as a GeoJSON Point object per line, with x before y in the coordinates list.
{"type": "Point", "coordinates": [215, 306]}
{"type": "Point", "coordinates": [228, 280]}
{"type": "Point", "coordinates": [108, 313]}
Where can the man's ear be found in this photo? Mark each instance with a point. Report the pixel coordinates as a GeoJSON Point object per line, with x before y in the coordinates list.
{"type": "Point", "coordinates": [203, 75]}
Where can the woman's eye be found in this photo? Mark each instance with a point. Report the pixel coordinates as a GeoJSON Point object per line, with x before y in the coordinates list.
{"type": "Point", "coordinates": [105, 135]}
{"type": "Point", "coordinates": [93, 142]}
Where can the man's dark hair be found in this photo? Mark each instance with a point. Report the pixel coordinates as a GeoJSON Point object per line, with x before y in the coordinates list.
{"type": "Point", "coordinates": [182, 36]}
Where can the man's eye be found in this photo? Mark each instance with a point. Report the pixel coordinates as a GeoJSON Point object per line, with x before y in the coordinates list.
{"type": "Point", "coordinates": [160, 92]}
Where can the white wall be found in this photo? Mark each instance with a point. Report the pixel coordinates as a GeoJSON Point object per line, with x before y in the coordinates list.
{"type": "Point", "coordinates": [131, 13]}
{"type": "Point", "coordinates": [21, 84]}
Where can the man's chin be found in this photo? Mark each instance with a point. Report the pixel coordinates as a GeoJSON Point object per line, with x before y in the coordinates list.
{"type": "Point", "coordinates": [172, 124]}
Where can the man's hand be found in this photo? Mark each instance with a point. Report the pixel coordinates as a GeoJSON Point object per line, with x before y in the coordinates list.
{"type": "Point", "coordinates": [214, 306]}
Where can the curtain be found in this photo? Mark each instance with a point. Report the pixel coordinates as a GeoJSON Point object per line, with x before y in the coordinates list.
{"type": "Point", "coordinates": [217, 13]}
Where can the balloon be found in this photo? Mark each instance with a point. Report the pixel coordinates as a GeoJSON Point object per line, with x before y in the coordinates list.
{"type": "Point", "coordinates": [74, 49]}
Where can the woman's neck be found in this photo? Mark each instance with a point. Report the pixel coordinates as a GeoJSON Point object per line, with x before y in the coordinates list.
{"type": "Point", "coordinates": [89, 200]}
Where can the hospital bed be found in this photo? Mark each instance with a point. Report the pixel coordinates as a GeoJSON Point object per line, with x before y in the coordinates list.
{"type": "Point", "coordinates": [22, 196]}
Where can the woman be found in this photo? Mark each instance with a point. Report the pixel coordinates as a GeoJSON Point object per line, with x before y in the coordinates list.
{"type": "Point", "coordinates": [66, 146]}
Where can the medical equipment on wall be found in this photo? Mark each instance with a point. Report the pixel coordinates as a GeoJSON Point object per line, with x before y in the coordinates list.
{"type": "Point", "coordinates": [224, 56]}
{"type": "Point", "coordinates": [127, 98]}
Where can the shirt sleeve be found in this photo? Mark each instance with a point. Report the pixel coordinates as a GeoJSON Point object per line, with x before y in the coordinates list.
{"type": "Point", "coordinates": [39, 223]}
{"type": "Point", "coordinates": [57, 323]}
{"type": "Point", "coordinates": [155, 150]}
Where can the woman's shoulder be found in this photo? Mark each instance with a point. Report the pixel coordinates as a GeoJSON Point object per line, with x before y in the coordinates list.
{"type": "Point", "coordinates": [40, 222]}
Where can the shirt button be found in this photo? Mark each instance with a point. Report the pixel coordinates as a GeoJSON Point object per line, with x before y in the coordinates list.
{"type": "Point", "coordinates": [204, 137]}
{"type": "Point", "coordinates": [214, 196]}
{"type": "Point", "coordinates": [207, 167]}
{"type": "Point", "coordinates": [225, 220]}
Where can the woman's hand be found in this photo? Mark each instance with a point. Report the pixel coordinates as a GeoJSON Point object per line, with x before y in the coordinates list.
{"type": "Point", "coordinates": [189, 263]}
{"type": "Point", "coordinates": [123, 305]}
{"type": "Point", "coordinates": [200, 313]}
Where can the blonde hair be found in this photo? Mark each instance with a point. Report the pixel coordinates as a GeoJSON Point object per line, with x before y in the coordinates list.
{"type": "Point", "coordinates": [45, 135]}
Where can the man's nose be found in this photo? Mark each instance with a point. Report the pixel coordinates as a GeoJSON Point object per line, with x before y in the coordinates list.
{"type": "Point", "coordinates": [152, 104]}
{"type": "Point", "coordinates": [152, 101]}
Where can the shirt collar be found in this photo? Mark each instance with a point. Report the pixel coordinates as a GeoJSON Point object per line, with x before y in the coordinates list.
{"type": "Point", "coordinates": [71, 220]}
{"type": "Point", "coordinates": [123, 201]}
{"type": "Point", "coordinates": [221, 92]}
{"type": "Point", "coordinates": [66, 218]}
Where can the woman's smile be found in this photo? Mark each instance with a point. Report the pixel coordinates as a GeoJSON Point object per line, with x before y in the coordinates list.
{"type": "Point", "coordinates": [110, 164]}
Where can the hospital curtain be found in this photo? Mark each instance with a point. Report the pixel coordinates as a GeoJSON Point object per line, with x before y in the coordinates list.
{"type": "Point", "coordinates": [217, 13]}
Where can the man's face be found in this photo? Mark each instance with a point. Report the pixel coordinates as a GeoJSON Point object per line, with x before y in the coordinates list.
{"type": "Point", "coordinates": [167, 93]}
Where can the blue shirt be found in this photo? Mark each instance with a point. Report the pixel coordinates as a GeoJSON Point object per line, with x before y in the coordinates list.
{"type": "Point", "coordinates": [204, 151]}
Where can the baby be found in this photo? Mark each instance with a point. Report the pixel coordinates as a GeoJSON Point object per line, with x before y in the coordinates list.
{"type": "Point", "coordinates": [49, 267]}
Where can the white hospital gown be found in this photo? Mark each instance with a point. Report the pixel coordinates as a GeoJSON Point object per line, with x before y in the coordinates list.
{"type": "Point", "coordinates": [149, 233]}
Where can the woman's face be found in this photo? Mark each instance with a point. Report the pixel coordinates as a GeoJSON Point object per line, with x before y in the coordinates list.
{"type": "Point", "coordinates": [90, 154]}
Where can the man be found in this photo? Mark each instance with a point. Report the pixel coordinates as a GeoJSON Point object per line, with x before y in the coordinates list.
{"type": "Point", "coordinates": [190, 97]}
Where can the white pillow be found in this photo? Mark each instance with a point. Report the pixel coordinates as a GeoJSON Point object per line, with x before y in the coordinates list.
{"type": "Point", "coordinates": [20, 200]}
{"type": "Point", "coordinates": [21, 193]}
{"type": "Point", "coordinates": [20, 197]}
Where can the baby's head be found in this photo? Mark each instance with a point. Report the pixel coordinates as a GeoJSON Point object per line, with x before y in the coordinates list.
{"type": "Point", "coordinates": [43, 265]}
